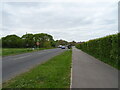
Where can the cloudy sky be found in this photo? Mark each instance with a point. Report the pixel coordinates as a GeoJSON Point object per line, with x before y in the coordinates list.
{"type": "Point", "coordinates": [78, 20]}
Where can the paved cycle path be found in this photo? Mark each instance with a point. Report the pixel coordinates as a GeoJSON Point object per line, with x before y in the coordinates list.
{"type": "Point", "coordinates": [88, 72]}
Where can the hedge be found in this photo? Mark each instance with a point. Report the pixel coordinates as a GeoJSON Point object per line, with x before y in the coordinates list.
{"type": "Point", "coordinates": [105, 49]}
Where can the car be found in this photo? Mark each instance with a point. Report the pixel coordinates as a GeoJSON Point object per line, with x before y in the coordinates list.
{"type": "Point", "coordinates": [59, 46]}
{"type": "Point", "coordinates": [69, 46]}
{"type": "Point", "coordinates": [63, 47]}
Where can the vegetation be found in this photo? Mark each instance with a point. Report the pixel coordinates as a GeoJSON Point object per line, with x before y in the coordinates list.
{"type": "Point", "coordinates": [55, 73]}
{"type": "Point", "coordinates": [13, 44]}
{"type": "Point", "coordinates": [61, 42]}
{"type": "Point", "coordinates": [105, 49]}
{"type": "Point", "coordinates": [73, 43]}
{"type": "Point", "coordinates": [40, 40]}
{"type": "Point", "coordinates": [14, 51]}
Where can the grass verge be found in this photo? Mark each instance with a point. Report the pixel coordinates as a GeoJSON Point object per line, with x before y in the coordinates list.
{"type": "Point", "coordinates": [14, 51]}
{"type": "Point", "coordinates": [54, 73]}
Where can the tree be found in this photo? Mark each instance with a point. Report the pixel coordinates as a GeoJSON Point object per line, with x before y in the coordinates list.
{"type": "Point", "coordinates": [61, 42]}
{"type": "Point", "coordinates": [11, 41]}
{"type": "Point", "coordinates": [73, 43]}
{"type": "Point", "coordinates": [45, 40]}
{"type": "Point", "coordinates": [28, 40]}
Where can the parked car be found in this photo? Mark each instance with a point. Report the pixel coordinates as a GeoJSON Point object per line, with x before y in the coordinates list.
{"type": "Point", "coordinates": [63, 47]}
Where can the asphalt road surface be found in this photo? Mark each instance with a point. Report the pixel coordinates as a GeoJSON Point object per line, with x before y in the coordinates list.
{"type": "Point", "coordinates": [88, 72]}
{"type": "Point", "coordinates": [17, 64]}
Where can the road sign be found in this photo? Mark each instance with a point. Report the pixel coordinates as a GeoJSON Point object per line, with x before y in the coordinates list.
{"type": "Point", "coordinates": [37, 43]}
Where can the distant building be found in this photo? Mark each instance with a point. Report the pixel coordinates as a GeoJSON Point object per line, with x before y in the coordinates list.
{"type": "Point", "coordinates": [79, 42]}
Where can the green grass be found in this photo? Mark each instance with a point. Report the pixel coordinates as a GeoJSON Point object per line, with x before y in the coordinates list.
{"type": "Point", "coordinates": [14, 51]}
{"type": "Point", "coordinates": [54, 73]}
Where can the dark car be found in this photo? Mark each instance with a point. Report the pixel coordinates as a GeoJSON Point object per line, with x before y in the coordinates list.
{"type": "Point", "coordinates": [69, 46]}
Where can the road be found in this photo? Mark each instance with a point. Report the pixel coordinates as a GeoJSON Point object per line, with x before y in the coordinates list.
{"type": "Point", "coordinates": [88, 72]}
{"type": "Point", "coordinates": [17, 64]}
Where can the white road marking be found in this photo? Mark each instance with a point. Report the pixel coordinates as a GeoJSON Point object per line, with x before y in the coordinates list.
{"type": "Point", "coordinates": [71, 72]}
{"type": "Point", "coordinates": [43, 52]}
{"type": "Point", "coordinates": [29, 55]}
{"type": "Point", "coordinates": [22, 57]}
{"type": "Point", "coordinates": [71, 76]}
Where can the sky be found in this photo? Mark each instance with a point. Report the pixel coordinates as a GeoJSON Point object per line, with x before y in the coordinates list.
{"type": "Point", "coordinates": [79, 20]}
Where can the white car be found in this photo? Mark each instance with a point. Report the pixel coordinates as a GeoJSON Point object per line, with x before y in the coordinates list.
{"type": "Point", "coordinates": [63, 47]}
{"type": "Point", "coordinates": [59, 46]}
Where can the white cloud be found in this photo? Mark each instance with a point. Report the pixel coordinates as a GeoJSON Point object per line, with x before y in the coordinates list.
{"type": "Point", "coordinates": [58, 1]}
{"type": "Point", "coordinates": [67, 19]}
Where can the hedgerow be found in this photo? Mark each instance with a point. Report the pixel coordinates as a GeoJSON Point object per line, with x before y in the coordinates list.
{"type": "Point", "coordinates": [105, 49]}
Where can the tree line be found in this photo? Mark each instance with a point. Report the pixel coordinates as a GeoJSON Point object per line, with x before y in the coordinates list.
{"type": "Point", "coordinates": [40, 40]}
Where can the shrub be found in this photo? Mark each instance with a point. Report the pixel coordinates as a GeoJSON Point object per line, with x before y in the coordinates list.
{"type": "Point", "coordinates": [105, 49]}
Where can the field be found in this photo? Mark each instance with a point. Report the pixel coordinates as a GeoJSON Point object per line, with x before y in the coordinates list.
{"type": "Point", "coordinates": [14, 51]}
{"type": "Point", "coordinates": [54, 73]}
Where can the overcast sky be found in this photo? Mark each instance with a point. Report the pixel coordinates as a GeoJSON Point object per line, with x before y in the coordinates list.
{"type": "Point", "coordinates": [78, 20]}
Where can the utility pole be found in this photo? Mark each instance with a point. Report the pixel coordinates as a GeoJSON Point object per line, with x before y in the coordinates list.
{"type": "Point", "coordinates": [26, 40]}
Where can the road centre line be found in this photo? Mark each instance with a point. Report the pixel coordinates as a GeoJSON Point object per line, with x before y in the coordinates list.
{"type": "Point", "coordinates": [30, 55]}
{"type": "Point", "coordinates": [43, 52]}
{"type": "Point", "coordinates": [22, 57]}
{"type": "Point", "coordinates": [26, 56]}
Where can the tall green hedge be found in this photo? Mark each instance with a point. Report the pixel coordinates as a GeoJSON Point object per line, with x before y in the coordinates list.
{"type": "Point", "coordinates": [105, 49]}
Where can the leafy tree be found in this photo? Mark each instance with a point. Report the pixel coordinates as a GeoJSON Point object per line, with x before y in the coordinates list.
{"type": "Point", "coordinates": [28, 40]}
{"type": "Point", "coordinates": [44, 39]}
{"type": "Point", "coordinates": [61, 42]}
{"type": "Point", "coordinates": [11, 41]}
{"type": "Point", "coordinates": [73, 43]}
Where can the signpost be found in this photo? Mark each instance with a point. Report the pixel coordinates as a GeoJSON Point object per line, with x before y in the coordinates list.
{"type": "Point", "coordinates": [37, 43]}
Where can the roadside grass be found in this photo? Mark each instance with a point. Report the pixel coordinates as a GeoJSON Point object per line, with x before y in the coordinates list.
{"type": "Point", "coordinates": [54, 73]}
{"type": "Point", "coordinates": [14, 51]}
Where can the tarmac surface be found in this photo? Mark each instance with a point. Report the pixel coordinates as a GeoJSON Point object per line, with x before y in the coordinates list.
{"type": "Point", "coordinates": [17, 64]}
{"type": "Point", "coordinates": [88, 72]}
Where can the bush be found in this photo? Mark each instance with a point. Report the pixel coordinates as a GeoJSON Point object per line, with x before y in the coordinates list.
{"type": "Point", "coordinates": [105, 49]}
